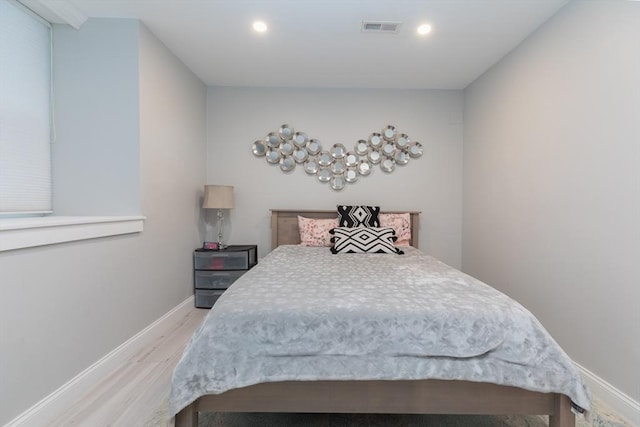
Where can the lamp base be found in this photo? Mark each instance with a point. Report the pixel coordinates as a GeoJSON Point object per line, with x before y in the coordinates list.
{"type": "Point", "coordinates": [221, 245]}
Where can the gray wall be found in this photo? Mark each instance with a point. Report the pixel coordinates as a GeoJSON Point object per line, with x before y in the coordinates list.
{"type": "Point", "coordinates": [63, 307]}
{"type": "Point", "coordinates": [172, 170]}
{"type": "Point", "coordinates": [432, 184]}
{"type": "Point", "coordinates": [551, 183]}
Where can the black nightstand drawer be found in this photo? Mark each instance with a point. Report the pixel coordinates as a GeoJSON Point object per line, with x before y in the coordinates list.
{"type": "Point", "coordinates": [215, 271]}
{"type": "Point", "coordinates": [221, 260]}
{"type": "Point", "coordinates": [205, 298]}
{"type": "Point", "coordinates": [206, 279]}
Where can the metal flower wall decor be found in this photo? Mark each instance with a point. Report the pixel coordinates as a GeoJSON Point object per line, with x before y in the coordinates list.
{"type": "Point", "coordinates": [337, 165]}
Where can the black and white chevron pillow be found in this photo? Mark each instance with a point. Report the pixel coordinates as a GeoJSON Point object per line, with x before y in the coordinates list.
{"type": "Point", "coordinates": [364, 240]}
{"type": "Point", "coordinates": [358, 216]}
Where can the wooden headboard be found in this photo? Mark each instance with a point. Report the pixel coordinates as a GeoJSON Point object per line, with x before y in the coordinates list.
{"type": "Point", "coordinates": [285, 231]}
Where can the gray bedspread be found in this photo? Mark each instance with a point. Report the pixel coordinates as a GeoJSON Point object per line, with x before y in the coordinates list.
{"type": "Point", "coordinates": [305, 314]}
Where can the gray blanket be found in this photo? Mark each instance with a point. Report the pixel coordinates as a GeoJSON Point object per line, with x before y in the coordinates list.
{"type": "Point", "coordinates": [305, 314]}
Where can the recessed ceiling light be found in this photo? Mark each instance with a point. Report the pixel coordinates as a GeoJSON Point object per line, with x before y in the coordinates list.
{"type": "Point", "coordinates": [260, 26]}
{"type": "Point", "coordinates": [424, 29]}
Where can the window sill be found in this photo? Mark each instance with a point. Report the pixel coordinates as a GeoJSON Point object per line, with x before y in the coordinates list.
{"type": "Point", "coordinates": [17, 233]}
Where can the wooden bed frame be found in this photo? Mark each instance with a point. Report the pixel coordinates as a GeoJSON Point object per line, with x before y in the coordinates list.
{"type": "Point", "coordinates": [391, 397]}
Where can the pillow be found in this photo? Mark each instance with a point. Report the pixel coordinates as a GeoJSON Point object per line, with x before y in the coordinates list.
{"type": "Point", "coordinates": [315, 232]}
{"type": "Point", "coordinates": [401, 224]}
{"type": "Point", "coordinates": [358, 216]}
{"type": "Point", "coordinates": [363, 240]}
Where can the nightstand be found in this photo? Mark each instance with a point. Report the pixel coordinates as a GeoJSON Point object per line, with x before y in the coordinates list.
{"type": "Point", "coordinates": [215, 271]}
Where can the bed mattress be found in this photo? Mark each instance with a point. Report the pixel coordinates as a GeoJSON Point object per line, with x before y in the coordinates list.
{"type": "Point", "coordinates": [305, 314]}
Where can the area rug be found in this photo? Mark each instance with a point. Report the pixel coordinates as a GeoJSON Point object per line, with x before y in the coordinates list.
{"type": "Point", "coordinates": [600, 417]}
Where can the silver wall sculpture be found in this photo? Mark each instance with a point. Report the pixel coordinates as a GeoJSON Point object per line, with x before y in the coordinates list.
{"type": "Point", "coordinates": [337, 165]}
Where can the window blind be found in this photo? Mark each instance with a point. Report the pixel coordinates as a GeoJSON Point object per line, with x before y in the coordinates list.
{"type": "Point", "coordinates": [25, 111]}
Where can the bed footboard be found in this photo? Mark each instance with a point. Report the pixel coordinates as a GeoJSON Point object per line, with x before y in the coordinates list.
{"type": "Point", "coordinates": [399, 397]}
{"type": "Point", "coordinates": [562, 415]}
{"type": "Point", "coordinates": [188, 417]}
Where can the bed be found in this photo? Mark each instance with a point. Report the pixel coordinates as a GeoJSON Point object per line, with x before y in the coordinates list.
{"type": "Point", "coordinates": [390, 394]}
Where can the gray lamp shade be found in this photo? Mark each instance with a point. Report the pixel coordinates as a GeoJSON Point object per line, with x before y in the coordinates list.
{"type": "Point", "coordinates": [218, 197]}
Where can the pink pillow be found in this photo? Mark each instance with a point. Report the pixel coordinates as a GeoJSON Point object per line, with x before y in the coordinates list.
{"type": "Point", "coordinates": [315, 232]}
{"type": "Point", "coordinates": [401, 223]}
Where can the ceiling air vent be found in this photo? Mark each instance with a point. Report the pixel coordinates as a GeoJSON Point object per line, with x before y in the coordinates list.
{"type": "Point", "coordinates": [380, 27]}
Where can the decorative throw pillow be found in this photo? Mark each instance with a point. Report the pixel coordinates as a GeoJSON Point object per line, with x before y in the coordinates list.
{"type": "Point", "coordinates": [363, 240]}
{"type": "Point", "coordinates": [315, 232]}
{"type": "Point", "coordinates": [358, 216]}
{"type": "Point", "coordinates": [401, 224]}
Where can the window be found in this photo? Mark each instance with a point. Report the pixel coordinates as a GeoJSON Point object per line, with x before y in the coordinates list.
{"type": "Point", "coordinates": [25, 111]}
{"type": "Point", "coordinates": [25, 138]}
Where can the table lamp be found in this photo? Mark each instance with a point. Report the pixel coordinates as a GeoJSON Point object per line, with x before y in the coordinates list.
{"type": "Point", "coordinates": [218, 197]}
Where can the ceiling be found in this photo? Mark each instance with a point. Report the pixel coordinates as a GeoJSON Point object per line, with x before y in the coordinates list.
{"type": "Point", "coordinates": [319, 43]}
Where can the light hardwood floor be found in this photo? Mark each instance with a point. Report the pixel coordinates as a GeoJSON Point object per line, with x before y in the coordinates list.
{"type": "Point", "coordinates": [133, 391]}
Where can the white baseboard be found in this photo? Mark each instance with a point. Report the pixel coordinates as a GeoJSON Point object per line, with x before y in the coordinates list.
{"type": "Point", "coordinates": [49, 408]}
{"type": "Point", "coordinates": [618, 401]}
